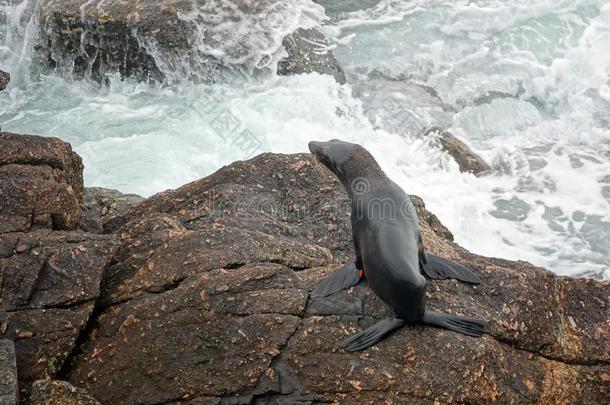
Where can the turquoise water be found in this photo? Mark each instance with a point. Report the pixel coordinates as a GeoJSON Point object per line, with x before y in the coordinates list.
{"type": "Point", "coordinates": [525, 83]}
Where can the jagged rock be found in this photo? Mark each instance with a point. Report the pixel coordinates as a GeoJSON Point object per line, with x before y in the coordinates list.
{"type": "Point", "coordinates": [5, 78]}
{"type": "Point", "coordinates": [100, 204]}
{"type": "Point", "coordinates": [467, 160]}
{"type": "Point", "coordinates": [9, 392]}
{"type": "Point", "coordinates": [199, 39]}
{"type": "Point", "coordinates": [49, 280]}
{"type": "Point", "coordinates": [49, 283]}
{"type": "Point", "coordinates": [301, 46]}
{"type": "Point", "coordinates": [41, 184]}
{"type": "Point", "coordinates": [50, 392]}
{"type": "Point", "coordinates": [206, 301]}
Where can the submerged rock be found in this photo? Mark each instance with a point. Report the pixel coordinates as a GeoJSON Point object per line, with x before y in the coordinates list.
{"type": "Point", "coordinates": [400, 106]}
{"type": "Point", "coordinates": [467, 160]}
{"type": "Point", "coordinates": [5, 78]}
{"type": "Point", "coordinates": [205, 299]}
{"type": "Point", "coordinates": [201, 40]}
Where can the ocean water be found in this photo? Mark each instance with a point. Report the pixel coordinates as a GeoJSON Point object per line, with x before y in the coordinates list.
{"type": "Point", "coordinates": [526, 84]}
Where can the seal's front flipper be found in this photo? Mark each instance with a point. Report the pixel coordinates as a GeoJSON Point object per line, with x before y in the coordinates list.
{"type": "Point", "coordinates": [461, 324]}
{"type": "Point", "coordinates": [441, 268]}
{"type": "Point", "coordinates": [341, 279]}
{"type": "Point", "coordinates": [371, 335]}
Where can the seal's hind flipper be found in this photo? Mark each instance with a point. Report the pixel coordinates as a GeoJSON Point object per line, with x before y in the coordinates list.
{"type": "Point", "coordinates": [341, 279]}
{"type": "Point", "coordinates": [372, 334]}
{"type": "Point", "coordinates": [467, 326]}
{"type": "Point", "coordinates": [437, 267]}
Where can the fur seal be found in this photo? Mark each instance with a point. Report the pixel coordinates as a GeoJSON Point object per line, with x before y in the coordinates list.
{"type": "Point", "coordinates": [389, 249]}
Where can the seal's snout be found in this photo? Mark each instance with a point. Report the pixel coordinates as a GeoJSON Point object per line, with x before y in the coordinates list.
{"type": "Point", "coordinates": [314, 147]}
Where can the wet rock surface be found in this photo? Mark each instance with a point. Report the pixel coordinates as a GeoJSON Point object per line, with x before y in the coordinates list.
{"type": "Point", "coordinates": [401, 106]}
{"type": "Point", "coordinates": [49, 285]}
{"type": "Point", "coordinates": [5, 78]}
{"type": "Point", "coordinates": [100, 204]}
{"type": "Point", "coordinates": [307, 53]}
{"type": "Point", "coordinates": [50, 273]}
{"type": "Point", "coordinates": [203, 297]}
{"type": "Point", "coordinates": [467, 160]}
{"type": "Point", "coordinates": [41, 184]}
{"type": "Point", "coordinates": [9, 393]}
{"type": "Point", "coordinates": [165, 40]}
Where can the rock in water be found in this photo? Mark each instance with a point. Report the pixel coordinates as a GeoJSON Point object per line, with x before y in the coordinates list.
{"type": "Point", "coordinates": [467, 160]}
{"type": "Point", "coordinates": [49, 392]}
{"type": "Point", "coordinates": [5, 78]}
{"type": "Point", "coordinates": [307, 54]}
{"type": "Point", "coordinates": [202, 40]}
{"type": "Point", "coordinates": [400, 106]}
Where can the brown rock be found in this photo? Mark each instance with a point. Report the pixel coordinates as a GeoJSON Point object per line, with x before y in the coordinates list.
{"type": "Point", "coordinates": [9, 392]}
{"type": "Point", "coordinates": [48, 290]}
{"type": "Point", "coordinates": [100, 204]}
{"type": "Point", "coordinates": [467, 160]}
{"type": "Point", "coordinates": [40, 184]}
{"type": "Point", "coordinates": [205, 299]}
{"type": "Point", "coordinates": [49, 392]}
{"type": "Point", "coordinates": [206, 302]}
{"type": "Point", "coordinates": [215, 333]}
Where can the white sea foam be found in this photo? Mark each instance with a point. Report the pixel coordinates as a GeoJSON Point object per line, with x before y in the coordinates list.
{"type": "Point", "coordinates": [526, 84]}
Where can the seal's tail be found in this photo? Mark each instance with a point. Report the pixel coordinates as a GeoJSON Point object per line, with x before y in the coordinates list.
{"type": "Point", "coordinates": [372, 334]}
{"type": "Point", "coordinates": [437, 267]}
{"type": "Point", "coordinates": [341, 279]}
{"type": "Point", "coordinates": [467, 326]}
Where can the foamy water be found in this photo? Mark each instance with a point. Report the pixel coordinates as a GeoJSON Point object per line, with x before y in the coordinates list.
{"type": "Point", "coordinates": [525, 83]}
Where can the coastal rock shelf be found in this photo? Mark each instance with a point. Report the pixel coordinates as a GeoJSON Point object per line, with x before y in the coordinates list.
{"type": "Point", "coordinates": [201, 295]}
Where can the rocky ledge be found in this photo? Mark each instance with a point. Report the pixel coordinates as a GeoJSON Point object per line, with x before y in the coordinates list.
{"type": "Point", "coordinates": [201, 295]}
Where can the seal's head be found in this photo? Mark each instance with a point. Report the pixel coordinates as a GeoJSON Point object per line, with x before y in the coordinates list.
{"type": "Point", "coordinates": [334, 154]}
{"type": "Point", "coordinates": [346, 160]}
